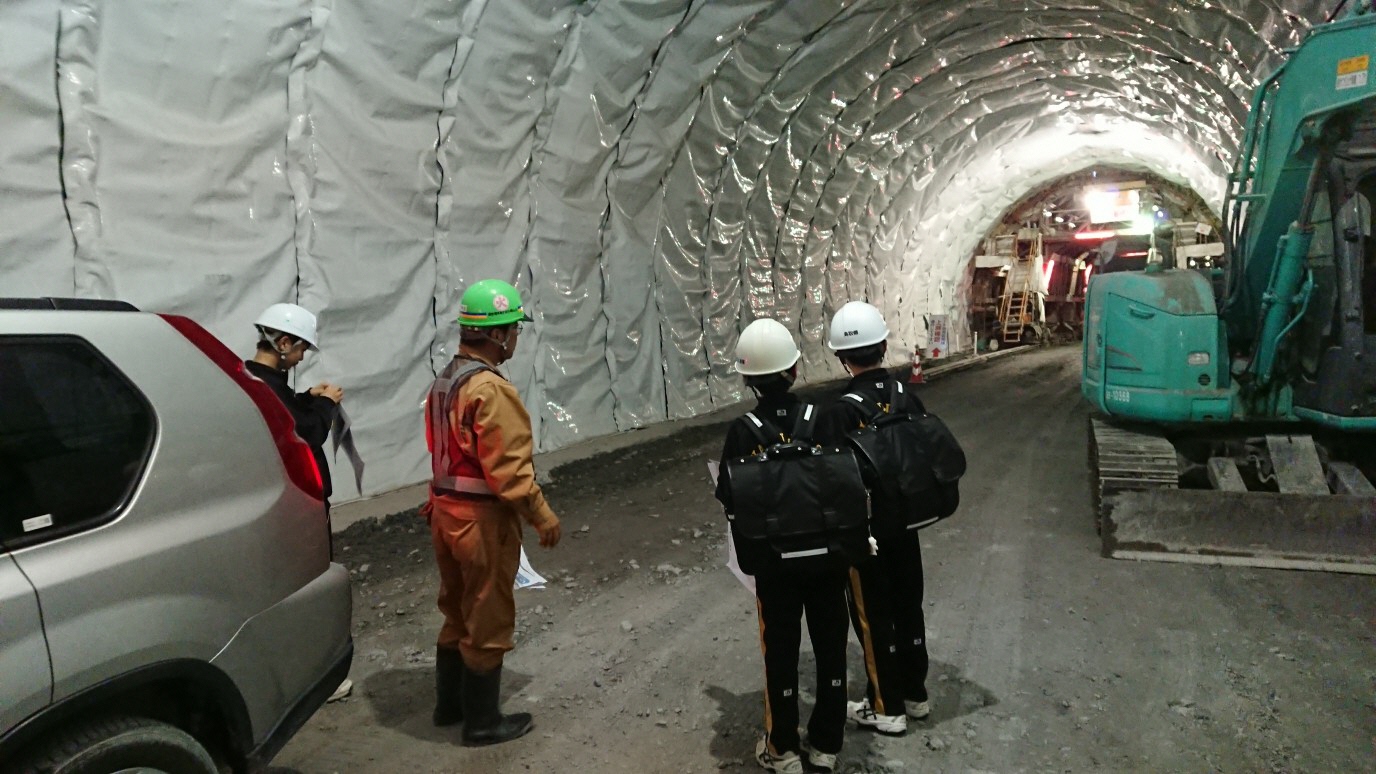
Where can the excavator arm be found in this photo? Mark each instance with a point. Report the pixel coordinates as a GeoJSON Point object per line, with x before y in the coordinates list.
{"type": "Point", "coordinates": [1303, 114]}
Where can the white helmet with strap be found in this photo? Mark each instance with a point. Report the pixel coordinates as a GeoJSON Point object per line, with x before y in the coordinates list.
{"type": "Point", "coordinates": [289, 319]}
{"type": "Point", "coordinates": [855, 325]}
{"type": "Point", "coordinates": [765, 347]}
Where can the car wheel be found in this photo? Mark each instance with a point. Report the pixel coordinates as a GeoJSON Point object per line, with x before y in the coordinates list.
{"type": "Point", "coordinates": [115, 745]}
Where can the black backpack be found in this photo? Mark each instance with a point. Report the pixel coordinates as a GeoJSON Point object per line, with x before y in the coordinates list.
{"type": "Point", "coordinates": [798, 504]}
{"type": "Point", "coordinates": [913, 461]}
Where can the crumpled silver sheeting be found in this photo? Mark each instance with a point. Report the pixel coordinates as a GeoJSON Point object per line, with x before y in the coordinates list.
{"type": "Point", "coordinates": [654, 174]}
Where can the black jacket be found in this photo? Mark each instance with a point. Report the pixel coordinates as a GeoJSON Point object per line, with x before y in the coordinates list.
{"type": "Point", "coordinates": [843, 415]}
{"type": "Point", "coordinates": [782, 412]}
{"type": "Point", "coordinates": [314, 414]}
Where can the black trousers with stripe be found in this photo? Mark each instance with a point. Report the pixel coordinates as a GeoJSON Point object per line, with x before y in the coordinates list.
{"type": "Point", "coordinates": [885, 595]}
{"type": "Point", "coordinates": [782, 597]}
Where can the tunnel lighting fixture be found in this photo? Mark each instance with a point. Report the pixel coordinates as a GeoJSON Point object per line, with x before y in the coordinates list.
{"type": "Point", "coordinates": [1089, 235]}
{"type": "Point", "coordinates": [1109, 205]}
{"type": "Point", "coordinates": [1141, 225]}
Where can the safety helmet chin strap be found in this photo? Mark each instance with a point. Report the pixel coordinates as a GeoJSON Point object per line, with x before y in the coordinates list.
{"type": "Point", "coordinates": [486, 333]}
{"type": "Point", "coordinates": [270, 336]}
{"type": "Point", "coordinates": [505, 344]}
{"type": "Point", "coordinates": [790, 376]}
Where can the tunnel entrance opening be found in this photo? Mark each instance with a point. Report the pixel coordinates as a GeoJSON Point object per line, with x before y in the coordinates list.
{"type": "Point", "coordinates": [1027, 279]}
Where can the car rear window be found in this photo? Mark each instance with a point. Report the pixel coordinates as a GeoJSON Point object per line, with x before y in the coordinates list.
{"type": "Point", "coordinates": [75, 435]}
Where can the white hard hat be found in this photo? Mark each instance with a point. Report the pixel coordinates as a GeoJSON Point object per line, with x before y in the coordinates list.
{"type": "Point", "coordinates": [855, 325]}
{"type": "Point", "coordinates": [765, 347]}
{"type": "Point", "coordinates": [290, 319]}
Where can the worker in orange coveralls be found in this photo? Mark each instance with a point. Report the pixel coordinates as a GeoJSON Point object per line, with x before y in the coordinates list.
{"type": "Point", "coordinates": [483, 487]}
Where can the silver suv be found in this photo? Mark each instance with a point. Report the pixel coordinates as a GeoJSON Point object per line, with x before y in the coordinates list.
{"type": "Point", "coordinates": [167, 595]}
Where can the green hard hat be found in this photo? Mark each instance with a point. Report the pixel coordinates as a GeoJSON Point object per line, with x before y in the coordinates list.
{"type": "Point", "coordinates": [491, 303]}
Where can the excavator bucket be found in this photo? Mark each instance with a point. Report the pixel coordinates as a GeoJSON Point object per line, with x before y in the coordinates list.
{"type": "Point", "coordinates": [1328, 533]}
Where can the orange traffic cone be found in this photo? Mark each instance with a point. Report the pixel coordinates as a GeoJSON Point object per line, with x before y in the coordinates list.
{"type": "Point", "coordinates": [917, 377]}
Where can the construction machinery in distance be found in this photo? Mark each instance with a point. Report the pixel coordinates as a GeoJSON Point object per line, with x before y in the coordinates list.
{"type": "Point", "coordinates": [1237, 404]}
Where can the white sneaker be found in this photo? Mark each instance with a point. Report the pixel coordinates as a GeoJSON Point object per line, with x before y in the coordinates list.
{"type": "Point", "coordinates": [821, 760]}
{"type": "Point", "coordinates": [788, 763]}
{"type": "Point", "coordinates": [345, 688]}
{"type": "Point", "coordinates": [917, 710]}
{"type": "Point", "coordinates": [864, 715]}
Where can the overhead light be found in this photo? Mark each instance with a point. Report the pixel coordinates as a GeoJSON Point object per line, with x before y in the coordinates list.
{"type": "Point", "coordinates": [1088, 235]}
{"type": "Point", "coordinates": [1111, 205]}
{"type": "Point", "coordinates": [1141, 224]}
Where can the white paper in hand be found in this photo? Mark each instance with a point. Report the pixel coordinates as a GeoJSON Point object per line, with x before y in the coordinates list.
{"type": "Point", "coordinates": [526, 576]}
{"type": "Point", "coordinates": [732, 563]}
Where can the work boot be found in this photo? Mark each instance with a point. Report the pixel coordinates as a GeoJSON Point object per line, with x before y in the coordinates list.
{"type": "Point", "coordinates": [485, 723]}
{"type": "Point", "coordinates": [448, 687]}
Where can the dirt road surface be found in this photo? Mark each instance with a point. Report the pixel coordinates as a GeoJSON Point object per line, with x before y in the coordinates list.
{"type": "Point", "coordinates": [643, 656]}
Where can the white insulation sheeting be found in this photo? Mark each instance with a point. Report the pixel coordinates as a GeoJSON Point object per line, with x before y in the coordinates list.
{"type": "Point", "coordinates": [653, 174]}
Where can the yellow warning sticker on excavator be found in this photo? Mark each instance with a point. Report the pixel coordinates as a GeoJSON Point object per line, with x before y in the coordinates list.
{"type": "Point", "coordinates": [1352, 72]}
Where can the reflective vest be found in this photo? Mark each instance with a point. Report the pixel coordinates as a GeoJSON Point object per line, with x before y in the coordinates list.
{"type": "Point", "coordinates": [447, 476]}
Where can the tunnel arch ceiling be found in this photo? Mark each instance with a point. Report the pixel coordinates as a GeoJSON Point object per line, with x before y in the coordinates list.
{"type": "Point", "coordinates": [654, 174]}
{"type": "Point", "coordinates": [922, 121]}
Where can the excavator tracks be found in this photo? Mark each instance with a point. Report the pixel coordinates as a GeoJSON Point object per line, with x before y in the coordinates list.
{"type": "Point", "coordinates": [1124, 460]}
{"type": "Point", "coordinates": [1142, 514]}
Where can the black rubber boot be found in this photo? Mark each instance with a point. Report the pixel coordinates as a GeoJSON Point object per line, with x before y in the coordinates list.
{"type": "Point", "coordinates": [485, 722]}
{"type": "Point", "coordinates": [448, 687]}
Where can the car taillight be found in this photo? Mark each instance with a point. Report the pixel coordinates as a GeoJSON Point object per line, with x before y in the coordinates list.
{"type": "Point", "coordinates": [296, 454]}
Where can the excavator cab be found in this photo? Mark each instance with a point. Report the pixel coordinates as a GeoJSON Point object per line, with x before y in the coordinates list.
{"type": "Point", "coordinates": [1238, 422]}
{"type": "Point", "coordinates": [1333, 352]}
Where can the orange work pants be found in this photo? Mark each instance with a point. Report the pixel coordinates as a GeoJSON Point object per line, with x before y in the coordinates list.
{"type": "Point", "coordinates": [477, 550]}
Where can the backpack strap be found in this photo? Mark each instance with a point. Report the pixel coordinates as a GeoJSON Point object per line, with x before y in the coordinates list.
{"type": "Point", "coordinates": [897, 397]}
{"type": "Point", "coordinates": [802, 429]}
{"type": "Point", "coordinates": [872, 412]}
{"type": "Point", "coordinates": [764, 431]}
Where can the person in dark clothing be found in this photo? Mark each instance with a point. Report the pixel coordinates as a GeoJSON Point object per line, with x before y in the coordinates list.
{"type": "Point", "coordinates": [285, 333]}
{"type": "Point", "coordinates": [767, 357]}
{"type": "Point", "coordinates": [885, 591]}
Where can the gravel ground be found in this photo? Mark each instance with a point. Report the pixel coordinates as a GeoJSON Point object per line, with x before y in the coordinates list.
{"type": "Point", "coordinates": [643, 656]}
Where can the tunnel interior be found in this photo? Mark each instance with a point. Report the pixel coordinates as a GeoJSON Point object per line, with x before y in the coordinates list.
{"type": "Point", "coordinates": [653, 174]}
{"type": "Point", "coordinates": [1026, 281]}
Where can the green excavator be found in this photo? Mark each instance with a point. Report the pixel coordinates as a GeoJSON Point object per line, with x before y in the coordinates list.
{"type": "Point", "coordinates": [1236, 405]}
